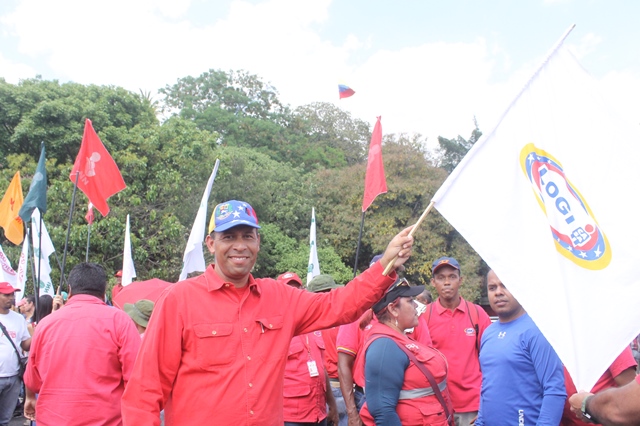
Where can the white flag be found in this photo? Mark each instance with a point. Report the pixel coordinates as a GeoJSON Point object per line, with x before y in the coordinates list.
{"type": "Point", "coordinates": [314, 265]}
{"type": "Point", "coordinates": [193, 259]}
{"type": "Point", "coordinates": [42, 249]}
{"type": "Point", "coordinates": [21, 279]}
{"type": "Point", "coordinates": [128, 270]}
{"type": "Point", "coordinates": [7, 274]}
{"type": "Point", "coordinates": [552, 189]}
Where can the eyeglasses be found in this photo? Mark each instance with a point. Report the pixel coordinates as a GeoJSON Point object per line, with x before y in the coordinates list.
{"type": "Point", "coordinates": [402, 282]}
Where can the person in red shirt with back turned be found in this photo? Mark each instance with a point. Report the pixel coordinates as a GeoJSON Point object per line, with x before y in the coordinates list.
{"type": "Point", "coordinates": [216, 346]}
{"type": "Point", "coordinates": [81, 357]}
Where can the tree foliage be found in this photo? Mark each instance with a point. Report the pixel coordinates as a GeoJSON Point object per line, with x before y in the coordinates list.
{"type": "Point", "coordinates": [284, 162]}
{"type": "Point", "coordinates": [451, 151]}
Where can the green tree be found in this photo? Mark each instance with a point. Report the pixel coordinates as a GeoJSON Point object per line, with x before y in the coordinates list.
{"type": "Point", "coordinates": [451, 151]}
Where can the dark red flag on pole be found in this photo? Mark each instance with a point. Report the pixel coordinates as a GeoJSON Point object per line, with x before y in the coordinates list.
{"type": "Point", "coordinates": [375, 182]}
{"type": "Point", "coordinates": [99, 177]}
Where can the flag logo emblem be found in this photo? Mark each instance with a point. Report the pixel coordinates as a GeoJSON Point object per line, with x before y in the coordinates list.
{"type": "Point", "coordinates": [224, 211]}
{"type": "Point", "coordinates": [577, 235]}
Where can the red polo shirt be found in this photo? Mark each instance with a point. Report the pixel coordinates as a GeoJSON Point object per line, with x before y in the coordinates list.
{"type": "Point", "coordinates": [217, 356]}
{"type": "Point", "coordinates": [331, 351]}
{"type": "Point", "coordinates": [80, 360]}
{"type": "Point", "coordinates": [453, 334]}
{"type": "Point", "coordinates": [305, 395]}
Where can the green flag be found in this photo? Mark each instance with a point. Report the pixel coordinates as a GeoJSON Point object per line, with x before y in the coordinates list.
{"type": "Point", "coordinates": [37, 196]}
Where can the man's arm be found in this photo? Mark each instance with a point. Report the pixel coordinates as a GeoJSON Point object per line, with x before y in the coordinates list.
{"type": "Point", "coordinates": [30, 405]}
{"type": "Point", "coordinates": [345, 374]}
{"type": "Point", "coordinates": [318, 311]}
{"type": "Point", "coordinates": [332, 415]}
{"type": "Point", "coordinates": [26, 344]}
{"type": "Point", "coordinates": [614, 406]}
{"type": "Point", "coordinates": [156, 366]}
{"type": "Point", "coordinates": [550, 373]}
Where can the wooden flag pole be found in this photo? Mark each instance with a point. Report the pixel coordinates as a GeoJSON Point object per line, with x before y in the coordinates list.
{"type": "Point", "coordinates": [413, 230]}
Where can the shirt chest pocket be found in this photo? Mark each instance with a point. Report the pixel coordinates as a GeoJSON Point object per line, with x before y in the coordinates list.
{"type": "Point", "coordinates": [215, 344]}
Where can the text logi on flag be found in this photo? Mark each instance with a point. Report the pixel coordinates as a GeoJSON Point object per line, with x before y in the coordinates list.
{"type": "Point", "coordinates": [554, 214]}
{"type": "Point", "coordinates": [375, 182]}
{"type": "Point", "coordinates": [9, 208]}
{"type": "Point", "coordinates": [99, 176]}
{"type": "Point", "coordinates": [37, 195]}
{"type": "Point", "coordinates": [313, 269]}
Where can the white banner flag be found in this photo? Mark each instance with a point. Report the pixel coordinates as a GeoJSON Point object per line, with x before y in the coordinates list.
{"type": "Point", "coordinates": [128, 269]}
{"type": "Point", "coordinates": [7, 274]}
{"type": "Point", "coordinates": [314, 266]}
{"type": "Point", "coordinates": [42, 249]}
{"type": "Point", "coordinates": [193, 259]}
{"type": "Point", "coordinates": [21, 279]}
{"type": "Point", "coordinates": [554, 211]}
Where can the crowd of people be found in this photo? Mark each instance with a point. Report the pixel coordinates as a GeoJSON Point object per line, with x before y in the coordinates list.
{"type": "Point", "coordinates": [230, 349]}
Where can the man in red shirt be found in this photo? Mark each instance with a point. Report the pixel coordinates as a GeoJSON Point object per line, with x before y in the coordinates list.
{"type": "Point", "coordinates": [306, 383]}
{"type": "Point", "coordinates": [221, 360]}
{"type": "Point", "coordinates": [81, 357]}
{"type": "Point", "coordinates": [322, 284]}
{"type": "Point", "coordinates": [456, 327]}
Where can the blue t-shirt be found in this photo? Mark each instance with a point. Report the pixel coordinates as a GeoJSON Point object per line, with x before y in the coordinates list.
{"type": "Point", "coordinates": [522, 376]}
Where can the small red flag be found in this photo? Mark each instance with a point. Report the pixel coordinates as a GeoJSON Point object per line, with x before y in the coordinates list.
{"type": "Point", "coordinates": [89, 216]}
{"type": "Point", "coordinates": [99, 177]}
{"type": "Point", "coordinates": [375, 182]}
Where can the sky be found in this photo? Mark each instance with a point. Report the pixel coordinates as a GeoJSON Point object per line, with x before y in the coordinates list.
{"type": "Point", "coordinates": [425, 66]}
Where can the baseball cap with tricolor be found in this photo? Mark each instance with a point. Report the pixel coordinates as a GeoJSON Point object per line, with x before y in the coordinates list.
{"type": "Point", "coordinates": [232, 213]}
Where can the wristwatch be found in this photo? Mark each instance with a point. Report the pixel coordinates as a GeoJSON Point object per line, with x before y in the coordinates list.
{"type": "Point", "coordinates": [585, 410]}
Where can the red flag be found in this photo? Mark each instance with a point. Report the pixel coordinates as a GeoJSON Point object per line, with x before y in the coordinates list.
{"type": "Point", "coordinates": [375, 183]}
{"type": "Point", "coordinates": [99, 177]}
{"type": "Point", "coordinates": [89, 216]}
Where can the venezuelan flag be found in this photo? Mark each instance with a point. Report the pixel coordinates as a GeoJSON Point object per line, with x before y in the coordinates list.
{"type": "Point", "coordinates": [345, 91]}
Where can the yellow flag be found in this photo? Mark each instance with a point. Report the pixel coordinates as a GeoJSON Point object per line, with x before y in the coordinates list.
{"type": "Point", "coordinates": [9, 208]}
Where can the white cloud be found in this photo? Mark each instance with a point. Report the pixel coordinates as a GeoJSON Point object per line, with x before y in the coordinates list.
{"type": "Point", "coordinates": [431, 88]}
{"type": "Point", "coordinates": [14, 72]}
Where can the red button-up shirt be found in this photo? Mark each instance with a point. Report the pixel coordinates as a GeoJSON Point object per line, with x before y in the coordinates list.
{"type": "Point", "coordinates": [80, 360]}
{"type": "Point", "coordinates": [305, 395]}
{"type": "Point", "coordinates": [217, 356]}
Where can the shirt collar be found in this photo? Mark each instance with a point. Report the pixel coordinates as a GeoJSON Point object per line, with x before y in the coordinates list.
{"type": "Point", "coordinates": [215, 282]}
{"type": "Point", "coordinates": [86, 298]}
{"type": "Point", "coordinates": [461, 306]}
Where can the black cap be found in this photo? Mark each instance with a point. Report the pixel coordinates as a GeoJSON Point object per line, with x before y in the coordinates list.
{"type": "Point", "coordinates": [400, 288]}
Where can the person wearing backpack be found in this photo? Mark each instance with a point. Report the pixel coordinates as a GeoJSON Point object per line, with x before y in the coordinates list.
{"type": "Point", "coordinates": [456, 327]}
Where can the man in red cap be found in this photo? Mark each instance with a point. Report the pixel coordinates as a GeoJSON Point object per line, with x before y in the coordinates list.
{"type": "Point", "coordinates": [306, 383]}
{"type": "Point", "coordinates": [216, 346]}
{"type": "Point", "coordinates": [14, 337]}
